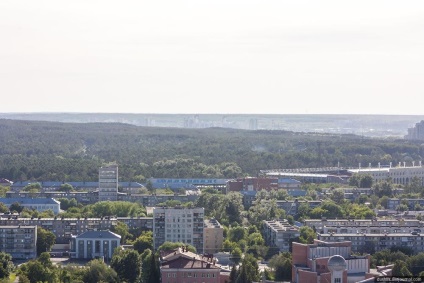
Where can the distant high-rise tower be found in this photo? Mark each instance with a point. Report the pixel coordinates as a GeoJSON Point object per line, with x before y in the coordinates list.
{"type": "Point", "coordinates": [108, 183]}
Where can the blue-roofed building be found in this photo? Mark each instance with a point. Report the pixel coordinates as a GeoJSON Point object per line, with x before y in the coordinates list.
{"type": "Point", "coordinates": [39, 204]}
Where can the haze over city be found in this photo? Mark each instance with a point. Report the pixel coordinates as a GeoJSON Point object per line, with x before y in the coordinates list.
{"type": "Point", "coordinates": [267, 57]}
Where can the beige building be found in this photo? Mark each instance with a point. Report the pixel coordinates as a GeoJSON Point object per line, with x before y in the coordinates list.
{"type": "Point", "coordinates": [19, 241]}
{"type": "Point", "coordinates": [214, 236]}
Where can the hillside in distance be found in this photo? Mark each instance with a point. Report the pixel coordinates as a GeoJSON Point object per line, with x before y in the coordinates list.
{"type": "Point", "coordinates": [366, 125]}
{"type": "Point", "coordinates": [40, 150]}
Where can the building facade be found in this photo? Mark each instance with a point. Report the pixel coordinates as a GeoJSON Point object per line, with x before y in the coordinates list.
{"type": "Point", "coordinates": [188, 267]}
{"type": "Point", "coordinates": [39, 204]}
{"type": "Point", "coordinates": [214, 236]}
{"type": "Point", "coordinates": [94, 244]}
{"type": "Point", "coordinates": [279, 234]}
{"type": "Point", "coordinates": [19, 241]}
{"type": "Point", "coordinates": [108, 183]}
{"type": "Point", "coordinates": [178, 224]}
{"type": "Point", "coordinates": [417, 132]}
{"type": "Point", "coordinates": [328, 262]}
{"type": "Point", "coordinates": [400, 174]}
{"type": "Point", "coordinates": [64, 228]}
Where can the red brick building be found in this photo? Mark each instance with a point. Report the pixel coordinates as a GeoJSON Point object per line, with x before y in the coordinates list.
{"type": "Point", "coordinates": [328, 262]}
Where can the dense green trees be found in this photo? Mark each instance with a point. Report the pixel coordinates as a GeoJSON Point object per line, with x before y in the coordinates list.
{"type": "Point", "coordinates": [144, 242]}
{"type": "Point", "coordinates": [73, 152]}
{"type": "Point", "coordinates": [127, 264]}
{"type": "Point", "coordinates": [6, 265]}
{"type": "Point", "coordinates": [281, 265]}
{"type": "Point", "coordinates": [45, 240]}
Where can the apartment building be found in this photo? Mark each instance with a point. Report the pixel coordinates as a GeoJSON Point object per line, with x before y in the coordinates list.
{"type": "Point", "coordinates": [19, 241]}
{"type": "Point", "coordinates": [374, 226]}
{"type": "Point", "coordinates": [279, 234]}
{"type": "Point", "coordinates": [214, 236]}
{"type": "Point", "coordinates": [178, 224]}
{"type": "Point", "coordinates": [328, 262]}
{"type": "Point", "coordinates": [108, 183]}
{"type": "Point", "coordinates": [393, 203]}
{"type": "Point", "coordinates": [371, 243]}
{"type": "Point", "coordinates": [39, 204]}
{"type": "Point", "coordinates": [64, 228]}
{"type": "Point", "coordinates": [292, 206]}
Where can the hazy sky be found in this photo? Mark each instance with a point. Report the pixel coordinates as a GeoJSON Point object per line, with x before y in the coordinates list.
{"type": "Point", "coordinates": [271, 57]}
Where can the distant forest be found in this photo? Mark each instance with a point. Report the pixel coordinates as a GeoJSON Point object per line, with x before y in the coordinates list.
{"type": "Point", "coordinates": [33, 150]}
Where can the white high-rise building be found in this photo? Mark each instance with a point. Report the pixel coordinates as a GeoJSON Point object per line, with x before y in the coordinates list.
{"type": "Point", "coordinates": [108, 183]}
{"type": "Point", "coordinates": [178, 224]}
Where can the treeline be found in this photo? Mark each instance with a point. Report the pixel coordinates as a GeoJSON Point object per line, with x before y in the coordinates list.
{"type": "Point", "coordinates": [31, 150]}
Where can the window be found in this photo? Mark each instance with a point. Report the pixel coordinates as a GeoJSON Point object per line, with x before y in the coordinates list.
{"type": "Point", "coordinates": [337, 280]}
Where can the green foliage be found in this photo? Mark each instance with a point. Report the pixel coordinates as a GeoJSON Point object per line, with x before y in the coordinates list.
{"type": "Point", "coordinates": [16, 207]}
{"type": "Point", "coordinates": [144, 242]}
{"type": "Point", "coordinates": [98, 271]}
{"type": "Point", "coordinates": [384, 188]}
{"type": "Point", "coordinates": [249, 270]}
{"type": "Point", "coordinates": [281, 265]}
{"type": "Point", "coordinates": [386, 257]}
{"type": "Point", "coordinates": [122, 229]}
{"type": "Point", "coordinates": [127, 265]}
{"type": "Point", "coordinates": [45, 240]}
{"type": "Point", "coordinates": [400, 269]}
{"type": "Point", "coordinates": [264, 210]}
{"type": "Point", "coordinates": [3, 208]}
{"type": "Point", "coordinates": [150, 267]}
{"type": "Point", "coordinates": [307, 235]}
{"type": "Point", "coordinates": [227, 209]}
{"type": "Point", "coordinates": [33, 150]}
{"type": "Point", "coordinates": [3, 191]}
{"type": "Point", "coordinates": [327, 209]}
{"type": "Point", "coordinates": [169, 246]}
{"type": "Point", "coordinates": [6, 265]}
{"type": "Point", "coordinates": [358, 211]}
{"type": "Point", "coordinates": [66, 188]}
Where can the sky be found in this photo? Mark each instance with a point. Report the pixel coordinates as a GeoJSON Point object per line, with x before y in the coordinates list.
{"type": "Point", "coordinates": [232, 56]}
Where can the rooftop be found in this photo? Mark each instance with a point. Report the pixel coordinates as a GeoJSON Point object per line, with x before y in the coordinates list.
{"type": "Point", "coordinates": [98, 234]}
{"type": "Point", "coordinates": [9, 201]}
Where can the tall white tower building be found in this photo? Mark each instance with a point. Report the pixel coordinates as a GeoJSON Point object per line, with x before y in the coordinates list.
{"type": "Point", "coordinates": [108, 183]}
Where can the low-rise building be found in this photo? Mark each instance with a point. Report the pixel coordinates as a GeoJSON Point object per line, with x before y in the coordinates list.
{"type": "Point", "coordinates": [19, 241]}
{"type": "Point", "coordinates": [252, 184]}
{"type": "Point", "coordinates": [214, 236]}
{"type": "Point", "coordinates": [371, 243]}
{"type": "Point", "coordinates": [328, 262]}
{"type": "Point", "coordinates": [374, 226]}
{"type": "Point", "coordinates": [94, 244]}
{"type": "Point", "coordinates": [279, 234]}
{"type": "Point", "coordinates": [39, 204]}
{"type": "Point", "coordinates": [184, 266]}
{"type": "Point", "coordinates": [400, 174]}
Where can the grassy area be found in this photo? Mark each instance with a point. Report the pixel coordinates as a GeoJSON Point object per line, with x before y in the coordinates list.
{"type": "Point", "coordinates": [12, 277]}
